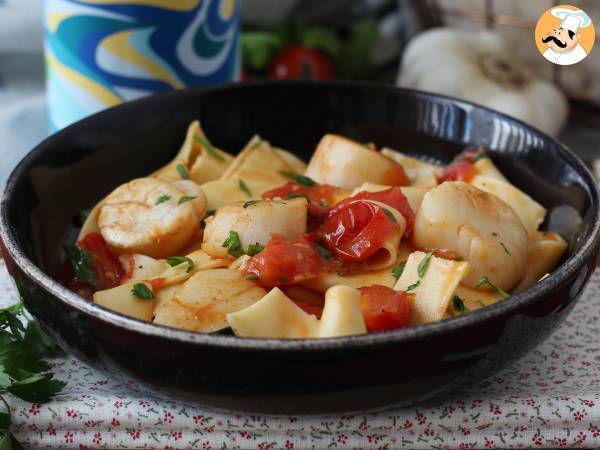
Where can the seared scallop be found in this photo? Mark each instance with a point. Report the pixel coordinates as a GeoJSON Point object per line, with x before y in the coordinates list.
{"type": "Point", "coordinates": [477, 226]}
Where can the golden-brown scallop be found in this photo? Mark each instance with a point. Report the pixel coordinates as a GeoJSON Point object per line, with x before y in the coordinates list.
{"type": "Point", "coordinates": [255, 222]}
{"type": "Point", "coordinates": [477, 226]}
{"type": "Point", "coordinates": [347, 164]}
{"type": "Point", "coordinates": [150, 216]}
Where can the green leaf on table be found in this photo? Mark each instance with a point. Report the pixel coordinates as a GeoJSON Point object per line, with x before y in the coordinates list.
{"type": "Point", "coordinates": [19, 362]}
{"type": "Point", "coordinates": [258, 48]}
{"type": "Point", "coordinates": [9, 442]}
{"type": "Point", "coordinates": [37, 388]}
{"type": "Point", "coordinates": [321, 38]}
{"type": "Point", "coordinates": [38, 342]}
{"type": "Point", "coordinates": [4, 379]}
{"type": "Point", "coordinates": [5, 421]}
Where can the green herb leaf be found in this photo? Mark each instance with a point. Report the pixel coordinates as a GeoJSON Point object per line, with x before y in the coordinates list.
{"type": "Point", "coordinates": [9, 442]}
{"type": "Point", "coordinates": [185, 199]}
{"type": "Point", "coordinates": [252, 277]}
{"type": "Point", "coordinates": [5, 421]}
{"type": "Point", "coordinates": [4, 381]}
{"type": "Point", "coordinates": [162, 199]}
{"type": "Point", "coordinates": [244, 188]}
{"type": "Point", "coordinates": [300, 179]}
{"type": "Point", "coordinates": [37, 388]}
{"type": "Point", "coordinates": [390, 215]}
{"type": "Point", "coordinates": [354, 60]}
{"type": "Point", "coordinates": [207, 214]}
{"type": "Point", "coordinates": [397, 272]}
{"type": "Point", "coordinates": [341, 274]}
{"type": "Point", "coordinates": [321, 39]}
{"type": "Point", "coordinates": [459, 258]}
{"type": "Point", "coordinates": [480, 302]}
{"type": "Point", "coordinates": [38, 342]}
{"type": "Point", "coordinates": [505, 249]}
{"type": "Point", "coordinates": [250, 203]}
{"type": "Point", "coordinates": [183, 173]}
{"type": "Point", "coordinates": [258, 48]}
{"type": "Point", "coordinates": [254, 249]}
{"type": "Point", "coordinates": [177, 260]}
{"type": "Point", "coordinates": [499, 290]}
{"type": "Point", "coordinates": [141, 291]}
{"type": "Point", "coordinates": [413, 286]}
{"type": "Point", "coordinates": [234, 244]}
{"type": "Point", "coordinates": [459, 305]}
{"type": "Point", "coordinates": [482, 154]}
{"type": "Point", "coordinates": [82, 264]}
{"type": "Point", "coordinates": [424, 264]}
{"type": "Point", "coordinates": [325, 254]}
{"type": "Point", "coordinates": [209, 148]}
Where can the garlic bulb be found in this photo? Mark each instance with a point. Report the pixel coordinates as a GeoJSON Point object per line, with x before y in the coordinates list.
{"type": "Point", "coordinates": [478, 66]}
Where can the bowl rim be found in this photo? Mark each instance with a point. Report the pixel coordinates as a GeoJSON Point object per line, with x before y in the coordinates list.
{"type": "Point", "coordinates": [567, 269]}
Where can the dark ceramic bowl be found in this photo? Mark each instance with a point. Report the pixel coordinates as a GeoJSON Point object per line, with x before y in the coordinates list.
{"type": "Point", "coordinates": [76, 167]}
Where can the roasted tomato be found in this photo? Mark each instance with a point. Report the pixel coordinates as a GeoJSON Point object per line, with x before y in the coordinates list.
{"type": "Point", "coordinates": [458, 171]}
{"type": "Point", "coordinates": [393, 197]}
{"type": "Point", "coordinates": [356, 230]}
{"type": "Point", "coordinates": [301, 63]}
{"type": "Point", "coordinates": [319, 196]}
{"type": "Point", "coordinates": [107, 266]}
{"type": "Point", "coordinates": [384, 308]}
{"type": "Point", "coordinates": [284, 262]}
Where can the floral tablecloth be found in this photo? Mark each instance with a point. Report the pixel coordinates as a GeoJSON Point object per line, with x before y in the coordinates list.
{"type": "Point", "coordinates": [551, 398]}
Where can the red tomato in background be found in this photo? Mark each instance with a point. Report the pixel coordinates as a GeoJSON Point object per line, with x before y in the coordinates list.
{"type": "Point", "coordinates": [301, 63]}
{"type": "Point", "coordinates": [318, 196]}
{"type": "Point", "coordinates": [458, 171]}
{"type": "Point", "coordinates": [284, 262]}
{"type": "Point", "coordinates": [107, 266]}
{"type": "Point", "coordinates": [384, 308]}
{"type": "Point", "coordinates": [393, 197]}
{"type": "Point", "coordinates": [356, 231]}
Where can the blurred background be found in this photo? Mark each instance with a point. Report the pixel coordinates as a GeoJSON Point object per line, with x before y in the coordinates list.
{"type": "Point", "coordinates": [480, 50]}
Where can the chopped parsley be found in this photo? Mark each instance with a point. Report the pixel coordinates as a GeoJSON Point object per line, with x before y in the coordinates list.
{"type": "Point", "coordinates": [183, 173]}
{"type": "Point", "coordinates": [413, 286]}
{"type": "Point", "coordinates": [459, 305]}
{"type": "Point", "coordinates": [252, 277]}
{"type": "Point", "coordinates": [244, 187]}
{"type": "Point", "coordinates": [140, 290]}
{"type": "Point", "coordinates": [505, 249]}
{"type": "Point", "coordinates": [209, 148]}
{"type": "Point", "coordinates": [250, 203]}
{"type": "Point", "coordinates": [390, 215]}
{"type": "Point", "coordinates": [254, 249]}
{"type": "Point", "coordinates": [341, 274]}
{"type": "Point", "coordinates": [185, 199]}
{"type": "Point", "coordinates": [424, 264]}
{"type": "Point", "coordinates": [498, 289]}
{"type": "Point", "coordinates": [291, 196]}
{"type": "Point", "coordinates": [482, 154]}
{"type": "Point", "coordinates": [397, 272]}
{"type": "Point", "coordinates": [234, 244]}
{"type": "Point", "coordinates": [300, 179]}
{"type": "Point", "coordinates": [177, 260]}
{"type": "Point", "coordinates": [162, 199]}
{"type": "Point", "coordinates": [325, 254]}
{"type": "Point", "coordinates": [83, 264]}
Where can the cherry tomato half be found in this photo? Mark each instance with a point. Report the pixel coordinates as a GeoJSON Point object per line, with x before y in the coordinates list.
{"type": "Point", "coordinates": [393, 197]}
{"type": "Point", "coordinates": [284, 262]}
{"type": "Point", "coordinates": [384, 308]}
{"type": "Point", "coordinates": [301, 63]}
{"type": "Point", "coordinates": [458, 171]}
{"type": "Point", "coordinates": [356, 231]}
{"type": "Point", "coordinates": [105, 261]}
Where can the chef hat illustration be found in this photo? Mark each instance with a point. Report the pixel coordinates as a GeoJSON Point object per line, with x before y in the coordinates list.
{"type": "Point", "coordinates": [570, 19]}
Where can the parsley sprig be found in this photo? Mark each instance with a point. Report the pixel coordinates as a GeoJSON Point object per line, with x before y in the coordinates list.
{"type": "Point", "coordinates": [23, 371]}
{"type": "Point", "coordinates": [498, 289]}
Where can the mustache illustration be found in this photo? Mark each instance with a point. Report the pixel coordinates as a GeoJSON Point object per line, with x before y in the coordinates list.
{"type": "Point", "coordinates": [556, 41]}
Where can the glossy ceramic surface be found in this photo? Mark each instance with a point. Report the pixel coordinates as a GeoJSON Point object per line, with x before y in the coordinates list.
{"type": "Point", "coordinates": [78, 166]}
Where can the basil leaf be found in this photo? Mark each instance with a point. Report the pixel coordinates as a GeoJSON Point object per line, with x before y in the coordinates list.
{"type": "Point", "coordinates": [177, 260]}
{"type": "Point", "coordinates": [424, 264]}
{"type": "Point", "coordinates": [244, 188]}
{"type": "Point", "coordinates": [141, 291]}
{"type": "Point", "coordinates": [82, 263]}
{"type": "Point", "coordinates": [209, 148]}
{"type": "Point", "coordinates": [234, 244]}
{"type": "Point", "coordinates": [183, 173]}
{"type": "Point", "coordinates": [162, 199]}
{"type": "Point", "coordinates": [254, 249]}
{"type": "Point", "coordinates": [185, 199]}
{"type": "Point", "coordinates": [397, 272]}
